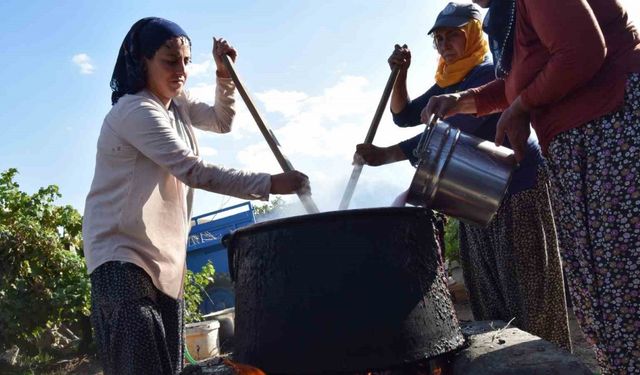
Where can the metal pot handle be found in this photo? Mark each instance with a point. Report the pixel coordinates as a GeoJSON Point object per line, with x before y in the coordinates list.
{"type": "Point", "coordinates": [227, 243]}
{"type": "Point", "coordinates": [419, 152]}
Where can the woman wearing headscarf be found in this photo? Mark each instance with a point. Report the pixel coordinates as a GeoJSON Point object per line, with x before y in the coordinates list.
{"type": "Point", "coordinates": [512, 268]}
{"type": "Point", "coordinates": [137, 213]}
{"type": "Point", "coordinates": [572, 68]}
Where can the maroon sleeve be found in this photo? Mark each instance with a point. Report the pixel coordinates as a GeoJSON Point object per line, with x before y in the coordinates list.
{"type": "Point", "coordinates": [570, 32]}
{"type": "Point", "coordinates": [490, 98]}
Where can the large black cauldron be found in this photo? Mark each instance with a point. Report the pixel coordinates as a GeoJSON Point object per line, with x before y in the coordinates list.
{"type": "Point", "coordinates": [340, 291]}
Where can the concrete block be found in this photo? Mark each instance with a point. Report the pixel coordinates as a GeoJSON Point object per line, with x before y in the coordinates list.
{"type": "Point", "coordinates": [497, 349]}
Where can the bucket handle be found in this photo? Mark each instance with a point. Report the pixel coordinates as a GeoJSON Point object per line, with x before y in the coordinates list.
{"type": "Point", "coordinates": [438, 165]}
{"type": "Point", "coordinates": [424, 140]}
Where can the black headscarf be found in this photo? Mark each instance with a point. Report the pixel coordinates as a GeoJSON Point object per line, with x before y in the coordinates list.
{"type": "Point", "coordinates": [143, 40]}
{"type": "Point", "coordinates": [499, 24]}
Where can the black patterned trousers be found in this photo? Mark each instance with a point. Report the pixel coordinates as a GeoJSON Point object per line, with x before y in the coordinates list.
{"type": "Point", "coordinates": [512, 268]}
{"type": "Point", "coordinates": [138, 329]}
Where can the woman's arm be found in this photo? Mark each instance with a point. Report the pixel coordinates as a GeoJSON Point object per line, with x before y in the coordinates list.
{"type": "Point", "coordinates": [400, 95]}
{"type": "Point", "coordinates": [481, 101]}
{"type": "Point", "coordinates": [488, 99]}
{"type": "Point", "coordinates": [408, 146]}
{"type": "Point", "coordinates": [148, 129]}
{"type": "Point", "coordinates": [401, 58]}
{"type": "Point", "coordinates": [570, 32]}
{"type": "Point", "coordinates": [374, 156]}
{"type": "Point", "coordinates": [218, 117]}
{"type": "Point", "coordinates": [410, 115]}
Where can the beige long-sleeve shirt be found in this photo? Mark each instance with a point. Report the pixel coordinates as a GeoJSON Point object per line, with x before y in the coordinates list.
{"type": "Point", "coordinates": [138, 207]}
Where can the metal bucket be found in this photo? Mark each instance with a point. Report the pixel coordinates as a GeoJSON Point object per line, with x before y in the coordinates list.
{"type": "Point", "coordinates": [460, 175]}
{"type": "Point", "coordinates": [344, 291]}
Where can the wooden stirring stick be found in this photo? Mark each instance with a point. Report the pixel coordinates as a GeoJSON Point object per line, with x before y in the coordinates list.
{"type": "Point", "coordinates": [357, 169]}
{"type": "Point", "coordinates": [285, 164]}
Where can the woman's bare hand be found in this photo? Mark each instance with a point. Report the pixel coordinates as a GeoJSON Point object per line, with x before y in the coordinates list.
{"type": "Point", "coordinates": [400, 57]}
{"type": "Point", "coordinates": [514, 123]}
{"type": "Point", "coordinates": [374, 156]}
{"type": "Point", "coordinates": [289, 183]}
{"type": "Point", "coordinates": [220, 48]}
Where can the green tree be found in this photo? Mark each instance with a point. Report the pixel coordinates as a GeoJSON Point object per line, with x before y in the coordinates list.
{"type": "Point", "coordinates": [43, 278]}
{"type": "Point", "coordinates": [275, 204]}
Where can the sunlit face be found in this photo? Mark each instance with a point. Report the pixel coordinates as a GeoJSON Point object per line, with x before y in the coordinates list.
{"type": "Point", "coordinates": [166, 70]}
{"type": "Point", "coordinates": [450, 43]}
{"type": "Point", "coordinates": [482, 3]}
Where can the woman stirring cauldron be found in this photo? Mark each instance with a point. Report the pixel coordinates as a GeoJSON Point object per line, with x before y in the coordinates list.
{"type": "Point", "coordinates": [511, 268]}
{"type": "Point", "coordinates": [572, 68]}
{"type": "Point", "coordinates": [137, 213]}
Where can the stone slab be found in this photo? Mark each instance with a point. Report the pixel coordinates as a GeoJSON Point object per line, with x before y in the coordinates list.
{"type": "Point", "coordinates": [497, 349]}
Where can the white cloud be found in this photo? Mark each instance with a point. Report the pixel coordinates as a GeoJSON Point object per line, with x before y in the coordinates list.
{"type": "Point", "coordinates": [199, 69]}
{"type": "Point", "coordinates": [330, 124]}
{"type": "Point", "coordinates": [318, 134]}
{"type": "Point", "coordinates": [83, 61]}
{"type": "Point", "coordinates": [286, 102]}
{"type": "Point", "coordinates": [258, 157]}
{"type": "Point", "coordinates": [243, 123]}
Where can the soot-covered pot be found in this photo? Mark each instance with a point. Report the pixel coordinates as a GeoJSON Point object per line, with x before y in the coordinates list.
{"type": "Point", "coordinates": [340, 291]}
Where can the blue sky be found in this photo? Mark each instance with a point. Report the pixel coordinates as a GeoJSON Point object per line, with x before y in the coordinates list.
{"type": "Point", "coordinates": [316, 70]}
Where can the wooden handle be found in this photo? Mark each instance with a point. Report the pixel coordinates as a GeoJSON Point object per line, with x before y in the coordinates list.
{"type": "Point", "coordinates": [285, 164]}
{"type": "Point", "coordinates": [351, 187]}
{"type": "Point", "coordinates": [373, 128]}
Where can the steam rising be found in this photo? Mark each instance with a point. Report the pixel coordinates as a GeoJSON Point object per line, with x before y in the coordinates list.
{"type": "Point", "coordinates": [401, 200]}
{"type": "Point", "coordinates": [376, 187]}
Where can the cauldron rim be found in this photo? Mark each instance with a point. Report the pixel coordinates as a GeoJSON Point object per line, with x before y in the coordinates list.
{"type": "Point", "coordinates": [228, 239]}
{"type": "Point", "coordinates": [375, 211]}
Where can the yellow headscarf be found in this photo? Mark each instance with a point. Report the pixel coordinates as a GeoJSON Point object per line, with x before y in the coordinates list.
{"type": "Point", "coordinates": [475, 50]}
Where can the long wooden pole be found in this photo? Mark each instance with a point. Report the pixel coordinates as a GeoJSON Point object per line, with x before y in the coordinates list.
{"type": "Point", "coordinates": [357, 169]}
{"type": "Point", "coordinates": [275, 147]}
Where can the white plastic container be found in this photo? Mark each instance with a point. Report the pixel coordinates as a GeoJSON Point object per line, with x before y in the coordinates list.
{"type": "Point", "coordinates": [226, 318]}
{"type": "Point", "coordinates": [202, 339]}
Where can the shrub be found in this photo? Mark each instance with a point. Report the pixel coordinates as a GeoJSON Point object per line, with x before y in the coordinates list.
{"type": "Point", "coordinates": [195, 285]}
{"type": "Point", "coordinates": [43, 278]}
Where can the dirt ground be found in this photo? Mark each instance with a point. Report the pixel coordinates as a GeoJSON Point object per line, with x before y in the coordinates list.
{"type": "Point", "coordinates": [85, 365]}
